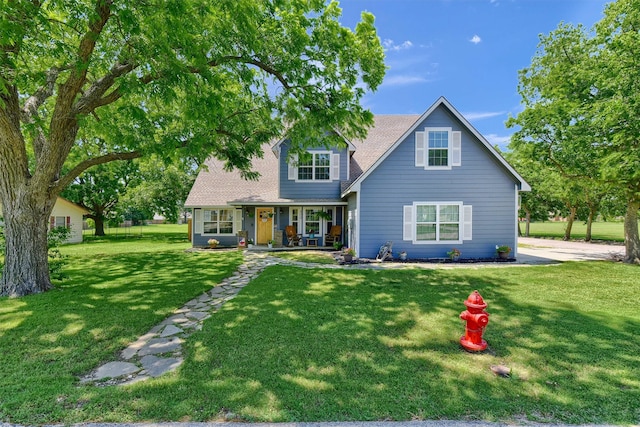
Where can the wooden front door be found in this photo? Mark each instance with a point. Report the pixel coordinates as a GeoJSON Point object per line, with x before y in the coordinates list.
{"type": "Point", "coordinates": [264, 219]}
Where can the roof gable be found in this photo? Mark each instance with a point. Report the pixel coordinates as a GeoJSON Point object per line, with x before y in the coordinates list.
{"type": "Point", "coordinates": [216, 186]}
{"type": "Point", "coordinates": [386, 146]}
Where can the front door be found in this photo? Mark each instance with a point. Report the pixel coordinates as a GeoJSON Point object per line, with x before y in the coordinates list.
{"type": "Point", "coordinates": [265, 225]}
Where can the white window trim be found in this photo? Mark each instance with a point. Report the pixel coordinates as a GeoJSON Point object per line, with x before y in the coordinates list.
{"type": "Point", "coordinates": [303, 221]}
{"type": "Point", "coordinates": [298, 222]}
{"type": "Point", "coordinates": [233, 221]}
{"type": "Point", "coordinates": [461, 220]}
{"type": "Point", "coordinates": [427, 149]}
{"type": "Point", "coordinates": [334, 168]}
{"type": "Point", "coordinates": [454, 148]}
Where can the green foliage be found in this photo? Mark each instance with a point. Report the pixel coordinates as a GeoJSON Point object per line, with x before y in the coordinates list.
{"type": "Point", "coordinates": [57, 261]}
{"type": "Point", "coordinates": [92, 82]}
{"type": "Point", "coordinates": [162, 189]}
{"type": "Point", "coordinates": [581, 93]}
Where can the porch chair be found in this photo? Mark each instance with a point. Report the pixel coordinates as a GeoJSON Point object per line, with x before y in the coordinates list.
{"type": "Point", "coordinates": [333, 235]}
{"type": "Point", "coordinates": [293, 238]}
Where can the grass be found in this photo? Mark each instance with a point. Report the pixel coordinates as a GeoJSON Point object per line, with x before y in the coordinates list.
{"type": "Point", "coordinates": [606, 231]}
{"type": "Point", "coordinates": [316, 257]}
{"type": "Point", "coordinates": [115, 292]}
{"type": "Point", "coordinates": [326, 345]}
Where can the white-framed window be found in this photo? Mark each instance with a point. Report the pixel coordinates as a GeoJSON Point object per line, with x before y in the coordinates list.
{"type": "Point", "coordinates": [218, 221]}
{"type": "Point", "coordinates": [311, 220]}
{"type": "Point", "coordinates": [437, 222]}
{"type": "Point", "coordinates": [438, 148]}
{"type": "Point", "coordinates": [329, 220]}
{"type": "Point", "coordinates": [294, 218]}
{"type": "Point", "coordinates": [318, 166]}
{"type": "Point", "coordinates": [59, 221]}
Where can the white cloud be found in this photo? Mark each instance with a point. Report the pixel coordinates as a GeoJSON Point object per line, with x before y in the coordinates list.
{"type": "Point", "coordinates": [483, 115]}
{"type": "Point", "coordinates": [475, 39]}
{"type": "Point", "coordinates": [403, 80]}
{"type": "Point", "coordinates": [500, 141]}
{"type": "Point", "coordinates": [389, 44]}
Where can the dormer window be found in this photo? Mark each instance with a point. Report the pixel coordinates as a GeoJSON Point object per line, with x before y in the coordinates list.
{"type": "Point", "coordinates": [317, 166]}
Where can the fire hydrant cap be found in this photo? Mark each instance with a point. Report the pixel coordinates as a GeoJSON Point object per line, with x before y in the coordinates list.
{"type": "Point", "coordinates": [475, 301]}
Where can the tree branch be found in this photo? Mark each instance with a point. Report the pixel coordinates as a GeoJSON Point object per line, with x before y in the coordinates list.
{"type": "Point", "coordinates": [68, 178]}
{"type": "Point", "coordinates": [31, 105]}
{"type": "Point", "coordinates": [77, 78]}
{"type": "Point", "coordinates": [94, 96]}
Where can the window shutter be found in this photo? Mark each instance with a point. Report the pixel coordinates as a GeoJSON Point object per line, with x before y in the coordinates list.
{"type": "Point", "coordinates": [52, 222]}
{"type": "Point", "coordinates": [456, 151]}
{"type": "Point", "coordinates": [407, 222]}
{"type": "Point", "coordinates": [291, 171]}
{"type": "Point", "coordinates": [237, 220]}
{"type": "Point", "coordinates": [335, 166]}
{"type": "Point", "coordinates": [68, 222]}
{"type": "Point", "coordinates": [420, 149]}
{"type": "Point", "coordinates": [197, 220]}
{"type": "Point", "coordinates": [467, 222]}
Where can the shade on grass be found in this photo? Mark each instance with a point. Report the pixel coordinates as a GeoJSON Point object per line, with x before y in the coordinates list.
{"type": "Point", "coordinates": [320, 345]}
{"type": "Point", "coordinates": [108, 300]}
{"type": "Point", "coordinates": [313, 345]}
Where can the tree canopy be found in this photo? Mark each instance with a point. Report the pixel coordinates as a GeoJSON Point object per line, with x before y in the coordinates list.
{"type": "Point", "coordinates": [582, 100]}
{"type": "Point", "coordinates": [179, 78]}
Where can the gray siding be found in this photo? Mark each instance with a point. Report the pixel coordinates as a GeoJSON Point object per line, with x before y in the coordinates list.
{"type": "Point", "coordinates": [290, 189]}
{"type": "Point", "coordinates": [481, 182]}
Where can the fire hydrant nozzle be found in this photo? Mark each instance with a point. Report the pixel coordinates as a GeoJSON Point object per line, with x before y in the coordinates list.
{"type": "Point", "coordinates": [476, 319]}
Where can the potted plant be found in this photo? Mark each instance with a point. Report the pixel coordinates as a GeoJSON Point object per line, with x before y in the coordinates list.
{"type": "Point", "coordinates": [503, 251]}
{"type": "Point", "coordinates": [270, 243]}
{"type": "Point", "coordinates": [250, 243]}
{"type": "Point", "coordinates": [454, 254]}
{"type": "Point", "coordinates": [337, 245]}
{"type": "Point", "coordinates": [213, 243]}
{"type": "Point", "coordinates": [348, 254]}
{"type": "Point", "coordinates": [403, 256]}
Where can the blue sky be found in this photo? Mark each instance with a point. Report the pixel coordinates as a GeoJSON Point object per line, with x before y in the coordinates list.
{"type": "Point", "coordinates": [469, 51]}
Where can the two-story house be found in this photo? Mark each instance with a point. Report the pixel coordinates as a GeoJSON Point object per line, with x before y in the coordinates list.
{"type": "Point", "coordinates": [428, 183]}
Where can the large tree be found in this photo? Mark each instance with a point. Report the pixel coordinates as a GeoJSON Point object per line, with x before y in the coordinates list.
{"type": "Point", "coordinates": [100, 188]}
{"type": "Point", "coordinates": [582, 103]}
{"type": "Point", "coordinates": [188, 77]}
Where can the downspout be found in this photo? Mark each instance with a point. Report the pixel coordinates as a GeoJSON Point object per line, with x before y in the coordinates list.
{"type": "Point", "coordinates": [517, 205]}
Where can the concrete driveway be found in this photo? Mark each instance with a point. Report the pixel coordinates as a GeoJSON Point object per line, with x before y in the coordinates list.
{"type": "Point", "coordinates": [545, 251]}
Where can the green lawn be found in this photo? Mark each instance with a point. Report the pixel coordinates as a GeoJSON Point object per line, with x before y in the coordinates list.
{"type": "Point", "coordinates": [608, 231]}
{"type": "Point", "coordinates": [325, 345]}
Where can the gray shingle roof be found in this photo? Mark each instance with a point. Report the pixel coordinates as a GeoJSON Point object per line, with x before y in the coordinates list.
{"type": "Point", "coordinates": [386, 131]}
{"type": "Point", "coordinates": [217, 187]}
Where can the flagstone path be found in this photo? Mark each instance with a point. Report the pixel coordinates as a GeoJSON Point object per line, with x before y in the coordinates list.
{"type": "Point", "coordinates": [160, 350]}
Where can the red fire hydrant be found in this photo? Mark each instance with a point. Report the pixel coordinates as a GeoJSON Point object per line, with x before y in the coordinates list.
{"type": "Point", "coordinates": [476, 319]}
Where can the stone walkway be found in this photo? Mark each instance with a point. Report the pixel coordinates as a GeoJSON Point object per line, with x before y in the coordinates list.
{"type": "Point", "coordinates": [160, 350]}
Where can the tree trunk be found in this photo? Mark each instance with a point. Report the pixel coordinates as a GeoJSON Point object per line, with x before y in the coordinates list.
{"type": "Point", "coordinates": [631, 237]}
{"type": "Point", "coordinates": [99, 224]}
{"type": "Point", "coordinates": [26, 268]}
{"type": "Point", "coordinates": [567, 230]}
{"type": "Point", "coordinates": [592, 214]}
{"type": "Point", "coordinates": [527, 229]}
